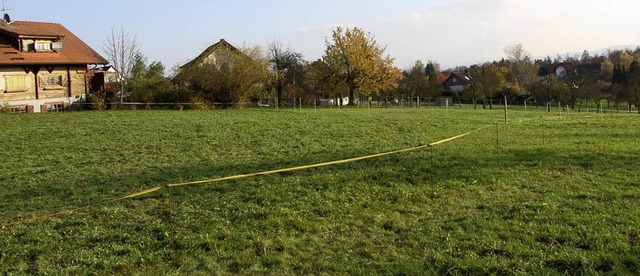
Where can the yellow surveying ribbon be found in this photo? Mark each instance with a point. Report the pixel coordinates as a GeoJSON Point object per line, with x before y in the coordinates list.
{"type": "Point", "coordinates": [155, 189]}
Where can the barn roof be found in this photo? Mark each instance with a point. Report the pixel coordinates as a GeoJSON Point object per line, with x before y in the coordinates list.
{"type": "Point", "coordinates": [222, 44]}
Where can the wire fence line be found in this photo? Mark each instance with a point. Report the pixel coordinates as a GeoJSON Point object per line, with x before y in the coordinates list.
{"type": "Point", "coordinates": [403, 103]}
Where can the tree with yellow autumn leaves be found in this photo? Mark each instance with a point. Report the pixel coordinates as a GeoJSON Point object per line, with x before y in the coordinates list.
{"type": "Point", "coordinates": [358, 63]}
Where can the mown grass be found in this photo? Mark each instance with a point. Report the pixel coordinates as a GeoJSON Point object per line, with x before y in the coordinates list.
{"type": "Point", "coordinates": [548, 193]}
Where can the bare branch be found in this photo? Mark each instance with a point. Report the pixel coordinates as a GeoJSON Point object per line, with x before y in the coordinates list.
{"type": "Point", "coordinates": [121, 48]}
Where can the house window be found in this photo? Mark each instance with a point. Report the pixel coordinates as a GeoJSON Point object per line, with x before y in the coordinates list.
{"type": "Point", "coordinates": [29, 47]}
{"type": "Point", "coordinates": [56, 46]}
{"type": "Point", "coordinates": [55, 107]}
{"type": "Point", "coordinates": [18, 109]}
{"type": "Point", "coordinates": [53, 80]}
{"type": "Point", "coordinates": [15, 84]}
{"type": "Point", "coordinates": [43, 46]}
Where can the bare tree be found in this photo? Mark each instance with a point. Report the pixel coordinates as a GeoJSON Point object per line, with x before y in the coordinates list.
{"type": "Point", "coordinates": [415, 81]}
{"type": "Point", "coordinates": [286, 66]}
{"type": "Point", "coordinates": [523, 70]}
{"type": "Point", "coordinates": [121, 48]}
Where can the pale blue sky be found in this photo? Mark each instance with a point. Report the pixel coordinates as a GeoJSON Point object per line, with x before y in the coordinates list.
{"type": "Point", "coordinates": [451, 32]}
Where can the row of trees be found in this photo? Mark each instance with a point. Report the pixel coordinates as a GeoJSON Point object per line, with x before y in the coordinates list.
{"type": "Point", "coordinates": [615, 80]}
{"type": "Point", "coordinates": [355, 66]}
{"type": "Point", "coordinates": [614, 77]}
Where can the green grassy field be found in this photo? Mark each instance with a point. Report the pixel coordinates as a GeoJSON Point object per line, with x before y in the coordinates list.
{"type": "Point", "coordinates": [542, 195]}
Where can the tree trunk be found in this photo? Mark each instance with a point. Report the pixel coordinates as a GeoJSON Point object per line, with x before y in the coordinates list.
{"type": "Point", "coordinates": [548, 104]}
{"type": "Point", "coordinates": [352, 98]}
{"type": "Point", "coordinates": [579, 106]}
{"type": "Point", "coordinates": [279, 92]}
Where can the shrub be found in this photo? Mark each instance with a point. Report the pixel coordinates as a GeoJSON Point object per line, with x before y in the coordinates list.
{"type": "Point", "coordinates": [5, 107]}
{"type": "Point", "coordinates": [199, 103]}
{"type": "Point", "coordinates": [98, 102]}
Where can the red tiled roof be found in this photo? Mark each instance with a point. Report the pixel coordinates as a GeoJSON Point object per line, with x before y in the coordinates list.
{"type": "Point", "coordinates": [442, 77]}
{"type": "Point", "coordinates": [74, 50]}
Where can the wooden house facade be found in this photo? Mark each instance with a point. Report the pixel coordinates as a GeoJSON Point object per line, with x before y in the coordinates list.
{"type": "Point", "coordinates": [43, 66]}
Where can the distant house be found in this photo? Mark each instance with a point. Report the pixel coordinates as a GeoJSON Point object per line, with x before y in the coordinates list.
{"type": "Point", "coordinates": [217, 53]}
{"type": "Point", "coordinates": [43, 66]}
{"type": "Point", "coordinates": [561, 70]}
{"type": "Point", "coordinates": [442, 77]}
{"type": "Point", "coordinates": [565, 69]}
{"type": "Point", "coordinates": [227, 66]}
{"type": "Point", "coordinates": [456, 82]}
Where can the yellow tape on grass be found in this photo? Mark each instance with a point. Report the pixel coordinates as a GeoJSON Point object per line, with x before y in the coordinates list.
{"type": "Point", "coordinates": [207, 181]}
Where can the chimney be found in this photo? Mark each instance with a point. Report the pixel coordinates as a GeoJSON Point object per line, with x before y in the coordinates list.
{"type": "Point", "coordinates": [6, 20]}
